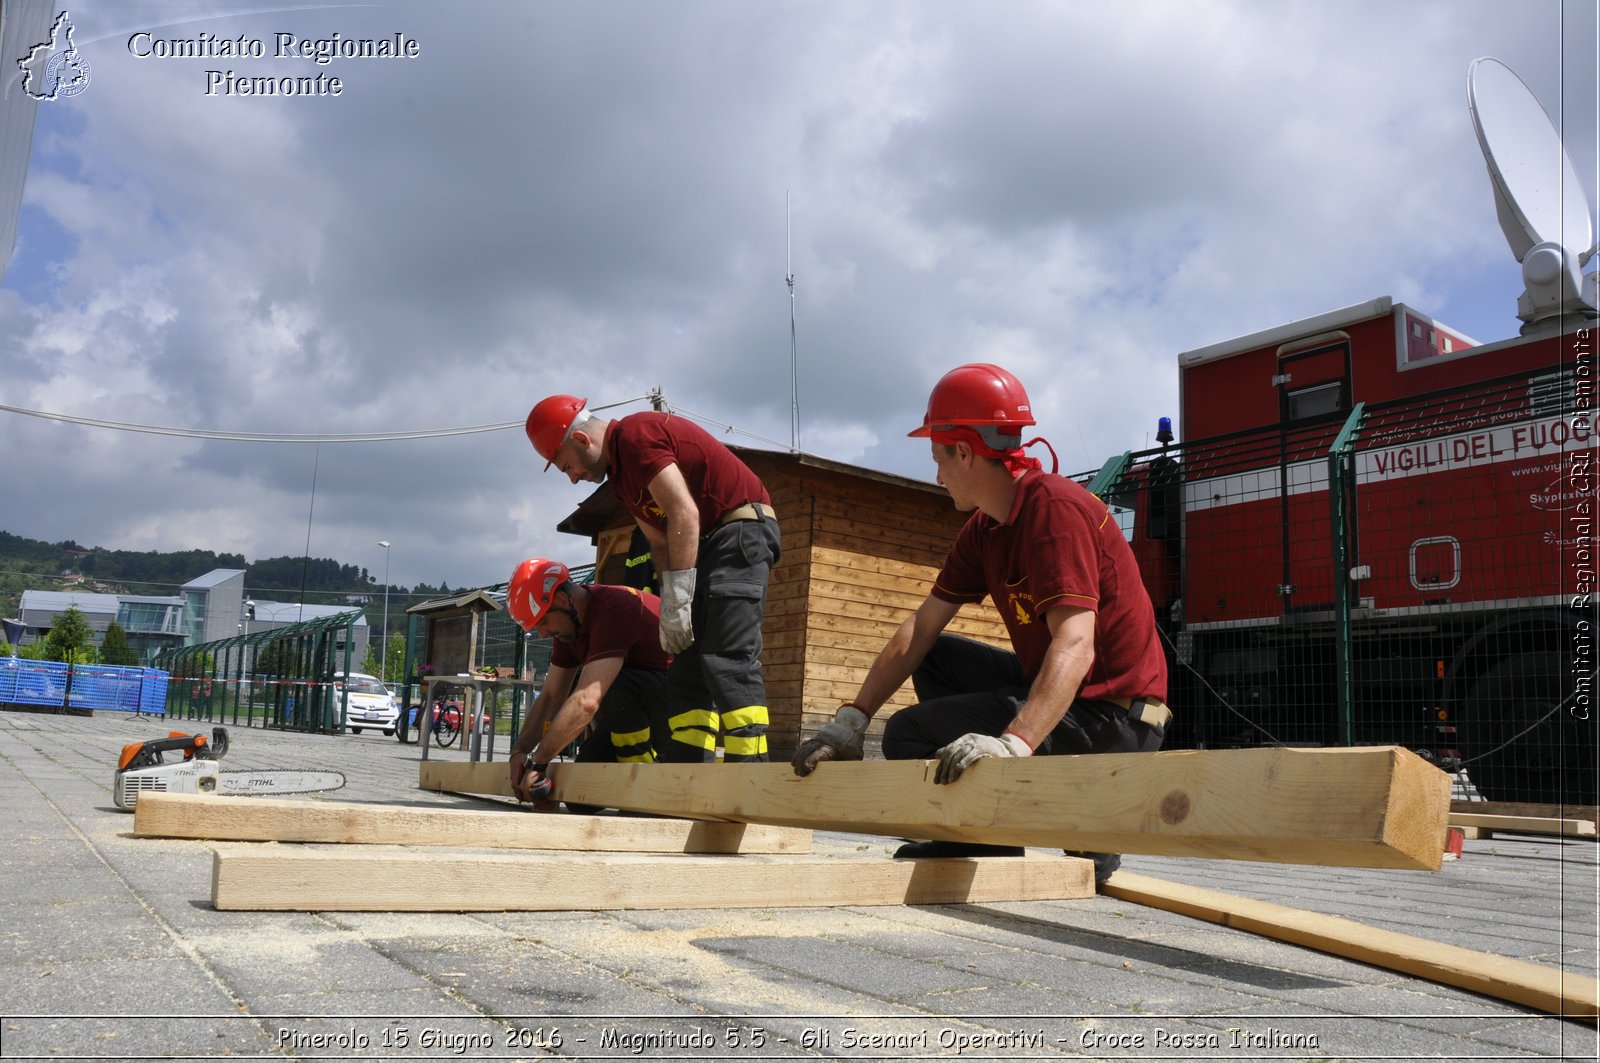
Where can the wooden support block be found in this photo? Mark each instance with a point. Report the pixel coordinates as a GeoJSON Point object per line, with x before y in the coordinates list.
{"type": "Point", "coordinates": [1370, 806]}
{"type": "Point", "coordinates": [1485, 825]}
{"type": "Point", "coordinates": [1547, 988]}
{"type": "Point", "coordinates": [267, 820]}
{"type": "Point", "coordinates": [325, 880]}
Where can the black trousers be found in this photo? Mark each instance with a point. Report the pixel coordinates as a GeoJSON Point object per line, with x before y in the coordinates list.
{"type": "Point", "coordinates": [968, 687]}
{"type": "Point", "coordinates": [715, 687]}
{"type": "Point", "coordinates": [631, 724]}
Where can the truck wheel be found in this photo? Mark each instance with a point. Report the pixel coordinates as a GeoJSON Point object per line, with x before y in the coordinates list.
{"type": "Point", "coordinates": [1517, 749]}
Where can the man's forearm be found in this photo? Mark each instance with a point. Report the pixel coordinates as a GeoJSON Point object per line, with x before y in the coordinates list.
{"type": "Point", "coordinates": [1066, 666]}
{"type": "Point", "coordinates": [566, 727]}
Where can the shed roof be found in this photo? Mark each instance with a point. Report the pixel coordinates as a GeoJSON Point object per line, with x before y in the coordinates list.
{"type": "Point", "coordinates": [480, 598]}
{"type": "Point", "coordinates": [600, 509]}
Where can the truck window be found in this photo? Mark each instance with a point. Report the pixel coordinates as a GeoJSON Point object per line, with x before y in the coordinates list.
{"type": "Point", "coordinates": [1317, 399]}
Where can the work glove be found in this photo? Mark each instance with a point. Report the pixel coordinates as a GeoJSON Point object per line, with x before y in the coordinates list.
{"type": "Point", "coordinates": [677, 596]}
{"type": "Point", "coordinates": [839, 740]}
{"type": "Point", "coordinates": [967, 750]}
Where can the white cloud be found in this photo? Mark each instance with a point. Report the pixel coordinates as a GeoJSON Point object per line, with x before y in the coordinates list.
{"type": "Point", "coordinates": [571, 196]}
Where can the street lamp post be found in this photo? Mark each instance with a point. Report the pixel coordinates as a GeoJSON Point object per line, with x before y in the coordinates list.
{"type": "Point", "coordinates": [383, 638]}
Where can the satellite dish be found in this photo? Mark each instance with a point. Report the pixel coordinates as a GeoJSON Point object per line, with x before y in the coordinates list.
{"type": "Point", "coordinates": [1541, 204]}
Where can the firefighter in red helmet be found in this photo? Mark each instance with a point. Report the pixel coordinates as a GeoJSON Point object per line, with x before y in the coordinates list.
{"type": "Point", "coordinates": [606, 667]}
{"type": "Point", "coordinates": [1086, 673]}
{"type": "Point", "coordinates": [713, 538]}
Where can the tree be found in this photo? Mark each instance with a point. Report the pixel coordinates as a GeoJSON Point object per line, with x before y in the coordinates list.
{"type": "Point", "coordinates": [70, 639]}
{"type": "Point", "coordinates": [394, 665]}
{"type": "Point", "coordinates": [114, 648]}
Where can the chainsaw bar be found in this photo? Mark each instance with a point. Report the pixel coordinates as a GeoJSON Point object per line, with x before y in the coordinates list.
{"type": "Point", "coordinates": [270, 783]}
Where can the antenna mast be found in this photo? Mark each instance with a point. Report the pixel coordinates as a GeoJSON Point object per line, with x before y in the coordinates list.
{"type": "Point", "coordinates": [794, 353]}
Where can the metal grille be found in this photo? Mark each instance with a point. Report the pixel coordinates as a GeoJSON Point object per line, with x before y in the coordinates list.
{"type": "Point", "coordinates": [1402, 574]}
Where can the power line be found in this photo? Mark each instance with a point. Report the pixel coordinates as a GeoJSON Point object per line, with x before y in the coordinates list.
{"type": "Point", "coordinates": [280, 437]}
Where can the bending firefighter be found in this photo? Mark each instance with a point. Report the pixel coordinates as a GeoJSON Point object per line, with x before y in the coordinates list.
{"type": "Point", "coordinates": [713, 538]}
{"type": "Point", "coordinates": [1085, 673]}
{"type": "Point", "coordinates": [607, 670]}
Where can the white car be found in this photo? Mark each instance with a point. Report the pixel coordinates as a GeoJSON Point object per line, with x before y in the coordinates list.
{"type": "Point", "coordinates": [370, 704]}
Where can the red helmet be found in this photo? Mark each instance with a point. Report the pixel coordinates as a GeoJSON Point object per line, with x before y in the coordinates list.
{"type": "Point", "coordinates": [977, 394]}
{"type": "Point", "coordinates": [533, 587]}
{"type": "Point", "coordinates": [550, 421]}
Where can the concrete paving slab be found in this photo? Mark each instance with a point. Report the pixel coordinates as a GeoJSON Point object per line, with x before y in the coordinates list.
{"type": "Point", "coordinates": [110, 949]}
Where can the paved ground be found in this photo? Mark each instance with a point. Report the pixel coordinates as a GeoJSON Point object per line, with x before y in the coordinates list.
{"type": "Point", "coordinates": [109, 948]}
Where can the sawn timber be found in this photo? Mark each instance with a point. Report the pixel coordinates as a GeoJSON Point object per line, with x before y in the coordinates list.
{"type": "Point", "coordinates": [1371, 806]}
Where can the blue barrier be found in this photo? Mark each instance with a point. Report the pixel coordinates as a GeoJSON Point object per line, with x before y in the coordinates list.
{"type": "Point", "coordinates": [25, 682]}
{"type": "Point", "coordinates": [105, 688]}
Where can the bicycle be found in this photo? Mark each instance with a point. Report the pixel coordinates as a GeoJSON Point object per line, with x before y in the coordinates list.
{"type": "Point", "coordinates": [446, 721]}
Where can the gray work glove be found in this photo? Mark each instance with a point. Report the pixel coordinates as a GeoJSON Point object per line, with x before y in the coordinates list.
{"type": "Point", "coordinates": [677, 596]}
{"type": "Point", "coordinates": [839, 740]}
{"type": "Point", "coordinates": [967, 750]}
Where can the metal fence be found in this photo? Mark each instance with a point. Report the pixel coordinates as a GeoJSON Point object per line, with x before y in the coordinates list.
{"type": "Point", "coordinates": [103, 688]}
{"type": "Point", "coordinates": [1409, 572]}
{"type": "Point", "coordinates": [279, 678]}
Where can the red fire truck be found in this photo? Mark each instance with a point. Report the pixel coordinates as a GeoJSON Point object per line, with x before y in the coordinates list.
{"type": "Point", "coordinates": [1379, 531]}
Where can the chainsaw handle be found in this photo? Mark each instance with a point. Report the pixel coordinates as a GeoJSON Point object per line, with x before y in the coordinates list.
{"type": "Point", "coordinates": [146, 754]}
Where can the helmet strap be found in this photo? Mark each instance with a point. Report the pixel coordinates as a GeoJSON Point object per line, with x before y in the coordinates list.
{"type": "Point", "coordinates": [988, 441]}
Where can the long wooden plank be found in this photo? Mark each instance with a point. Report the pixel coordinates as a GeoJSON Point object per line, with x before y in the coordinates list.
{"type": "Point", "coordinates": [1565, 828]}
{"type": "Point", "coordinates": [1372, 806]}
{"type": "Point", "coordinates": [1516, 808]}
{"type": "Point", "coordinates": [339, 881]}
{"type": "Point", "coordinates": [1547, 988]}
{"type": "Point", "coordinates": [263, 819]}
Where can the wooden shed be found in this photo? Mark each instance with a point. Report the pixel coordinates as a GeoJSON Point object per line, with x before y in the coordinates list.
{"type": "Point", "coordinates": [453, 629]}
{"type": "Point", "coordinates": [860, 550]}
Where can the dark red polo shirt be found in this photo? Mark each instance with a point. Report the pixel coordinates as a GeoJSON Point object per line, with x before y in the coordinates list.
{"type": "Point", "coordinates": [640, 445]}
{"type": "Point", "coordinates": [1061, 547]}
{"type": "Point", "coordinates": [621, 622]}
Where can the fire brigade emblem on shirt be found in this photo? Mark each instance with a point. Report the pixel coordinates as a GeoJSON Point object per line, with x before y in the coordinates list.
{"type": "Point", "coordinates": [54, 69]}
{"type": "Point", "coordinates": [1022, 606]}
{"type": "Point", "coordinates": [647, 506]}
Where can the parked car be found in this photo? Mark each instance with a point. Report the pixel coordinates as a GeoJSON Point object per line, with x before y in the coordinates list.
{"type": "Point", "coordinates": [370, 704]}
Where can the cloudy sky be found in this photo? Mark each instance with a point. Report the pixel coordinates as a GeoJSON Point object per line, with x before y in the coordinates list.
{"type": "Point", "coordinates": [590, 196]}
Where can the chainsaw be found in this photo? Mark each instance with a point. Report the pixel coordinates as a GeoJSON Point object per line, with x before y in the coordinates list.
{"type": "Point", "coordinates": [142, 768]}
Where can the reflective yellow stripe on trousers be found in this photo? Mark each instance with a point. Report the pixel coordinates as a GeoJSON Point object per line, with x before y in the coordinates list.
{"type": "Point", "coordinates": [697, 727]}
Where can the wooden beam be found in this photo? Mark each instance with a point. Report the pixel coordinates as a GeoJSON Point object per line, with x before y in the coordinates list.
{"type": "Point", "coordinates": [486, 779]}
{"type": "Point", "coordinates": [1547, 988]}
{"type": "Point", "coordinates": [1565, 828]}
{"type": "Point", "coordinates": [250, 879]}
{"type": "Point", "coordinates": [1371, 806]}
{"type": "Point", "coordinates": [266, 820]}
{"type": "Point", "coordinates": [1515, 808]}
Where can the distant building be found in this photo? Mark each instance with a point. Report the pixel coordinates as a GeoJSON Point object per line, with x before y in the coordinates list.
{"type": "Point", "coordinates": [39, 609]}
{"type": "Point", "coordinates": [208, 609]}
